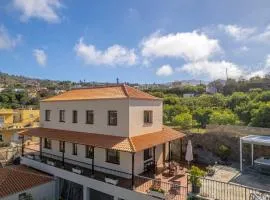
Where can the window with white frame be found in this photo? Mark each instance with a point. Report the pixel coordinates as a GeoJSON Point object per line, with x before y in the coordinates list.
{"type": "Point", "coordinates": [112, 118]}
{"type": "Point", "coordinates": [62, 116]}
{"type": "Point", "coordinates": [113, 156]}
{"type": "Point", "coordinates": [148, 154]}
{"type": "Point", "coordinates": [47, 115]}
{"type": "Point", "coordinates": [148, 117]}
{"type": "Point", "coordinates": [74, 149]}
{"type": "Point", "coordinates": [47, 143]}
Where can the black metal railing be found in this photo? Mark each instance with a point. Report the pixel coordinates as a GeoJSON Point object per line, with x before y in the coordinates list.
{"type": "Point", "coordinates": [141, 184]}
{"type": "Point", "coordinates": [214, 189]}
{"type": "Point", "coordinates": [69, 163]}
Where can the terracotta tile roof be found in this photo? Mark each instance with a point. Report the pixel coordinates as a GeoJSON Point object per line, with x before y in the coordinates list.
{"type": "Point", "coordinates": [145, 141]}
{"type": "Point", "coordinates": [132, 144]}
{"type": "Point", "coordinates": [18, 178]}
{"type": "Point", "coordinates": [104, 92]}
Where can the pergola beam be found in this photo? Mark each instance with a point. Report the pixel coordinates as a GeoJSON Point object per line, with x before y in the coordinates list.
{"type": "Point", "coordinates": [241, 156]}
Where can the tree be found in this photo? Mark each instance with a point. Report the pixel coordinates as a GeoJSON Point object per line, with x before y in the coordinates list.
{"type": "Point", "coordinates": [264, 96]}
{"type": "Point", "coordinates": [236, 99]}
{"type": "Point", "coordinates": [261, 117]}
{"type": "Point", "coordinates": [170, 111]}
{"type": "Point", "coordinates": [184, 120]}
{"type": "Point", "coordinates": [202, 116]}
{"type": "Point", "coordinates": [223, 117]}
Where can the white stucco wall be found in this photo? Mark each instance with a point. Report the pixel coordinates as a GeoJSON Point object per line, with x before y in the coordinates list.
{"type": "Point", "coordinates": [100, 108]}
{"type": "Point", "coordinates": [136, 116]}
{"type": "Point", "coordinates": [100, 157]}
{"type": "Point", "coordinates": [130, 114]}
{"type": "Point", "coordinates": [88, 182]}
{"type": "Point", "coordinates": [42, 192]}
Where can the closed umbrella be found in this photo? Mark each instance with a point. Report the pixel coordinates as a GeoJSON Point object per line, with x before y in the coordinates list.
{"type": "Point", "coordinates": [189, 153]}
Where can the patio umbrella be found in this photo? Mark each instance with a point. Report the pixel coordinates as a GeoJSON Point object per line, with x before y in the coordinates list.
{"type": "Point", "coordinates": [189, 153]}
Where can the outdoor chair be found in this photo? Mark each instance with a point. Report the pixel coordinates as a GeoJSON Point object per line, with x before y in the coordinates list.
{"type": "Point", "coordinates": [175, 188]}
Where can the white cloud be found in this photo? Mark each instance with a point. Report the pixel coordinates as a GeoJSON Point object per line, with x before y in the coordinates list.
{"type": "Point", "coordinates": [192, 46]}
{"type": "Point", "coordinates": [113, 55]}
{"type": "Point", "coordinates": [263, 36]}
{"type": "Point", "coordinates": [165, 70]}
{"type": "Point", "coordinates": [212, 70]}
{"type": "Point", "coordinates": [244, 48]}
{"type": "Point", "coordinates": [265, 69]}
{"type": "Point", "coordinates": [40, 56]}
{"type": "Point", "coordinates": [42, 9]}
{"type": "Point", "coordinates": [236, 31]}
{"type": "Point", "coordinates": [6, 41]}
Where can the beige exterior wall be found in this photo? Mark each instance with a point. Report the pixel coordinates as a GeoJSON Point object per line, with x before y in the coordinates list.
{"type": "Point", "coordinates": [130, 115]}
{"type": "Point", "coordinates": [100, 108]}
{"type": "Point", "coordinates": [136, 116]}
{"type": "Point", "coordinates": [100, 157]}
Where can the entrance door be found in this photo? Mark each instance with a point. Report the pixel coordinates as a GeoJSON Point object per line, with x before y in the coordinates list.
{"type": "Point", "coordinates": [94, 194]}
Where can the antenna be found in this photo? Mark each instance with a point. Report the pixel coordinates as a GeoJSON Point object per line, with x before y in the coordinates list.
{"type": "Point", "coordinates": [227, 74]}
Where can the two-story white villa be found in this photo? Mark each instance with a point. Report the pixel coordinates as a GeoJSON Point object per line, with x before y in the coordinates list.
{"type": "Point", "coordinates": [98, 142]}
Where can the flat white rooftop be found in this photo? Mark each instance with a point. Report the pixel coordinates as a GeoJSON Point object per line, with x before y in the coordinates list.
{"type": "Point", "coordinates": [257, 139]}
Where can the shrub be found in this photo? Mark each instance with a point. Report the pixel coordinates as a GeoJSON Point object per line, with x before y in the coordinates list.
{"type": "Point", "coordinates": [224, 152]}
{"type": "Point", "coordinates": [195, 174]}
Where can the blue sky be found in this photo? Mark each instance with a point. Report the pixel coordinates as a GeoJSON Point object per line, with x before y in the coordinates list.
{"type": "Point", "coordinates": [137, 41]}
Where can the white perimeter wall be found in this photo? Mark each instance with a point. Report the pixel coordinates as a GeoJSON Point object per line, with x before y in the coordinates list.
{"type": "Point", "coordinates": [42, 192]}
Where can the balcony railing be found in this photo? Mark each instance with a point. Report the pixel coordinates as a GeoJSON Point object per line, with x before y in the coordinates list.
{"type": "Point", "coordinates": [122, 179]}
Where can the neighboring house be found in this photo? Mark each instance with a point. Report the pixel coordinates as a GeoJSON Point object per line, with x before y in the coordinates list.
{"type": "Point", "coordinates": [211, 89]}
{"type": "Point", "coordinates": [98, 142]}
{"type": "Point", "coordinates": [188, 95]}
{"type": "Point", "coordinates": [12, 121]}
{"type": "Point", "coordinates": [19, 182]}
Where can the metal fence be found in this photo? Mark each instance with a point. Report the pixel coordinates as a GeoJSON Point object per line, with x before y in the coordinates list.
{"type": "Point", "coordinates": [227, 191]}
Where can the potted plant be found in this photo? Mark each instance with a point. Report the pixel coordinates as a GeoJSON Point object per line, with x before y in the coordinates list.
{"type": "Point", "coordinates": [157, 192]}
{"type": "Point", "coordinates": [210, 171]}
{"type": "Point", "coordinates": [195, 175]}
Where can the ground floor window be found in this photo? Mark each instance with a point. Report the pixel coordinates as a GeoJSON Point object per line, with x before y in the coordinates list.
{"type": "Point", "coordinates": [113, 156]}
{"type": "Point", "coordinates": [1, 138]}
{"type": "Point", "coordinates": [89, 151]}
{"type": "Point", "coordinates": [148, 154]}
{"type": "Point", "coordinates": [74, 149]}
{"type": "Point", "coordinates": [47, 143]}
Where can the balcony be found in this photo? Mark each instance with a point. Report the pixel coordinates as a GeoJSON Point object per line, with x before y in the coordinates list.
{"type": "Point", "coordinates": [142, 184]}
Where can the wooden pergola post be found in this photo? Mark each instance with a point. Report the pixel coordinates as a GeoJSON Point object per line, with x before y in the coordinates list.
{"type": "Point", "coordinates": [40, 148]}
{"type": "Point", "coordinates": [93, 162]}
{"type": "Point", "coordinates": [132, 178]}
{"type": "Point", "coordinates": [154, 159]}
{"type": "Point", "coordinates": [169, 151]}
{"type": "Point", "coordinates": [63, 154]}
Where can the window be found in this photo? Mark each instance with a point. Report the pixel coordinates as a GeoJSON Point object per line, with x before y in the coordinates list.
{"type": "Point", "coordinates": [89, 117]}
{"type": "Point", "coordinates": [148, 154]}
{"type": "Point", "coordinates": [47, 115]}
{"type": "Point", "coordinates": [74, 116]}
{"type": "Point", "coordinates": [148, 116]}
{"type": "Point", "coordinates": [1, 138]}
{"type": "Point", "coordinates": [112, 118]}
{"type": "Point", "coordinates": [113, 156]}
{"type": "Point", "coordinates": [22, 196]}
{"type": "Point", "coordinates": [89, 152]}
{"type": "Point", "coordinates": [62, 146]}
{"type": "Point", "coordinates": [62, 116]}
{"type": "Point", "coordinates": [47, 143]}
{"type": "Point", "coordinates": [74, 149]}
